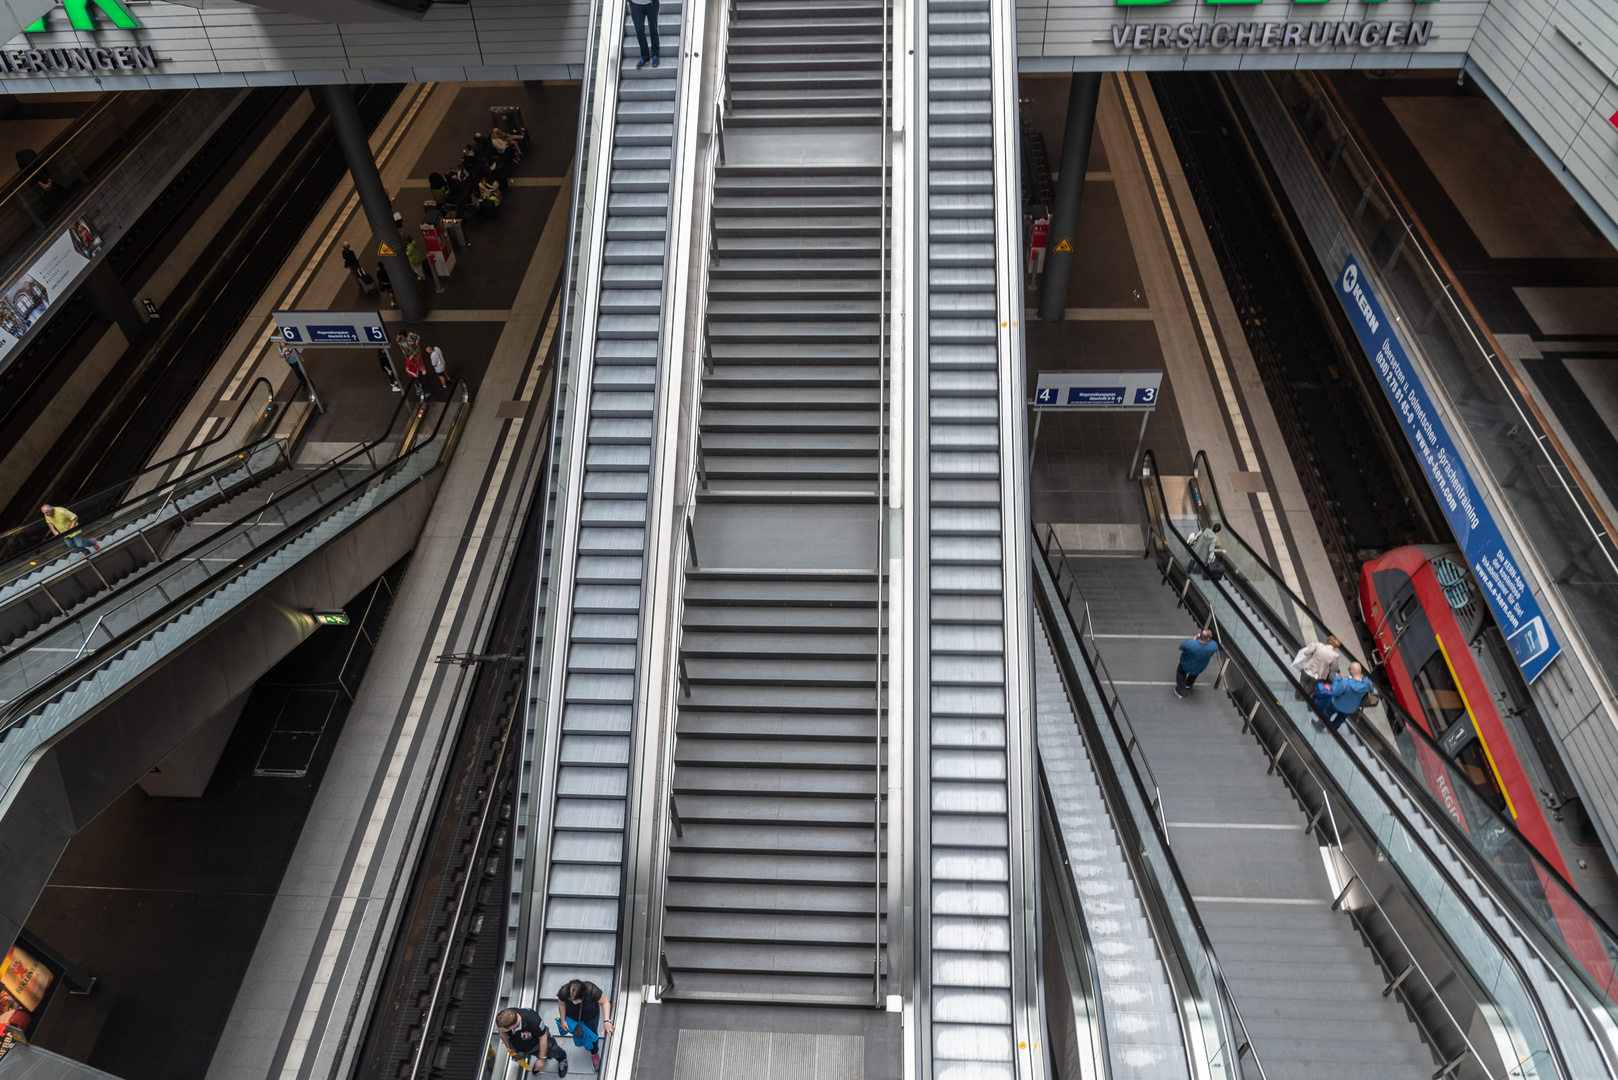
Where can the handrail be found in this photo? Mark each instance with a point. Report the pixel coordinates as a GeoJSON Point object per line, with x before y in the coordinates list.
{"type": "Point", "coordinates": [21, 540]}
{"type": "Point", "coordinates": [1481, 872]}
{"type": "Point", "coordinates": [1400, 769]}
{"type": "Point", "coordinates": [1154, 892]}
{"type": "Point", "coordinates": [65, 677]}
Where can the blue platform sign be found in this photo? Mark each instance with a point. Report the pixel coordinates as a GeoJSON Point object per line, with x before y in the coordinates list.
{"type": "Point", "coordinates": [1127, 390]}
{"type": "Point", "coordinates": [327, 329]}
{"type": "Point", "coordinates": [1532, 644]}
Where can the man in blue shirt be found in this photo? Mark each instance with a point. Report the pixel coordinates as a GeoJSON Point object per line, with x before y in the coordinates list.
{"type": "Point", "coordinates": [1194, 656]}
{"type": "Point", "coordinates": [1340, 698]}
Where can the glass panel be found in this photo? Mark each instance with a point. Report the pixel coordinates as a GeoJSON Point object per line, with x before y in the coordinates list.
{"type": "Point", "coordinates": [1576, 551]}
{"type": "Point", "coordinates": [1391, 817]}
{"type": "Point", "coordinates": [111, 631]}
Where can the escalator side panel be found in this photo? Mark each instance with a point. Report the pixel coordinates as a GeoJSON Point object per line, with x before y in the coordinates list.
{"type": "Point", "coordinates": [596, 677]}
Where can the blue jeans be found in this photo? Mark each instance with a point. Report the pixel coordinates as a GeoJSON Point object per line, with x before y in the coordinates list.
{"type": "Point", "coordinates": [582, 1036]}
{"type": "Point", "coordinates": [643, 14]}
{"type": "Point", "coordinates": [81, 544]}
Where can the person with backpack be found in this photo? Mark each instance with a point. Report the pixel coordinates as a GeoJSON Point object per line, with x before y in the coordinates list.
{"type": "Point", "coordinates": [525, 1036]}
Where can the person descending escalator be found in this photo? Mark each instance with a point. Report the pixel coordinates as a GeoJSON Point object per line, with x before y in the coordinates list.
{"type": "Point", "coordinates": [1317, 661]}
{"type": "Point", "coordinates": [644, 12]}
{"type": "Point", "coordinates": [526, 1038]}
{"type": "Point", "coordinates": [65, 523]}
{"type": "Point", "coordinates": [1341, 698]}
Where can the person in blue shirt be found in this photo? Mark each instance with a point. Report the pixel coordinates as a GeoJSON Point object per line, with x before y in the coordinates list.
{"type": "Point", "coordinates": [1339, 699]}
{"type": "Point", "coordinates": [1194, 656]}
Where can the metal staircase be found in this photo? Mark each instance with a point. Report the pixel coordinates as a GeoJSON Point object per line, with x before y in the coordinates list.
{"type": "Point", "coordinates": [775, 889]}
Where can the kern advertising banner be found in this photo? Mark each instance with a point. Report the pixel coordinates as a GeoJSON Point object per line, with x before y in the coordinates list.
{"type": "Point", "coordinates": [1532, 644]}
{"type": "Point", "coordinates": [27, 297]}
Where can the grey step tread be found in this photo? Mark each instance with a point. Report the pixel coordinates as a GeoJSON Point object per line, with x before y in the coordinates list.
{"type": "Point", "coordinates": [769, 618]}
{"type": "Point", "coordinates": [848, 961]}
{"type": "Point", "coordinates": [776, 810]}
{"type": "Point", "coordinates": [772, 989]}
{"type": "Point", "coordinates": [801, 646]}
{"type": "Point", "coordinates": [776, 868]}
{"type": "Point", "coordinates": [774, 754]}
{"type": "Point", "coordinates": [856, 931]}
{"type": "Point", "coordinates": [771, 783]}
{"type": "Point", "coordinates": [788, 727]}
{"type": "Point", "coordinates": [746, 838]}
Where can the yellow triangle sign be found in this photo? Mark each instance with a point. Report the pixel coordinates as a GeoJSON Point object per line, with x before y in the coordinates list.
{"type": "Point", "coordinates": [386, 250]}
{"type": "Point", "coordinates": [1063, 245]}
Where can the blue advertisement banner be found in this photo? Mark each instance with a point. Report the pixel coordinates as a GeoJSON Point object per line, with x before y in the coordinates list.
{"type": "Point", "coordinates": [1532, 644]}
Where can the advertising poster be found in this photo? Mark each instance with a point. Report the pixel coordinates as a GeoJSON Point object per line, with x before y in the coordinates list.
{"type": "Point", "coordinates": [1532, 644]}
{"type": "Point", "coordinates": [26, 297]}
{"type": "Point", "coordinates": [25, 984]}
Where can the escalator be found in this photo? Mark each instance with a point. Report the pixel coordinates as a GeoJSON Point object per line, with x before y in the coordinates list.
{"type": "Point", "coordinates": [95, 699]}
{"type": "Point", "coordinates": [165, 507]}
{"type": "Point", "coordinates": [1158, 1004]}
{"type": "Point", "coordinates": [1499, 962]}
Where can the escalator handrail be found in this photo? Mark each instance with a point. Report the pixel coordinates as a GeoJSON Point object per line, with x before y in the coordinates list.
{"type": "Point", "coordinates": [98, 524]}
{"type": "Point", "coordinates": [1152, 890]}
{"type": "Point", "coordinates": [1375, 743]}
{"type": "Point", "coordinates": [1484, 874]}
{"type": "Point", "coordinates": [64, 678]}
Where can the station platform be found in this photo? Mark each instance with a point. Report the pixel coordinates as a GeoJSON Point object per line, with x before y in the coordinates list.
{"type": "Point", "coordinates": [283, 886]}
{"type": "Point", "coordinates": [1149, 295]}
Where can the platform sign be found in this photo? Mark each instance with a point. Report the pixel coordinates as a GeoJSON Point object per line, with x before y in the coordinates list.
{"type": "Point", "coordinates": [331, 329]}
{"type": "Point", "coordinates": [1532, 644]}
{"type": "Point", "coordinates": [1098, 389]}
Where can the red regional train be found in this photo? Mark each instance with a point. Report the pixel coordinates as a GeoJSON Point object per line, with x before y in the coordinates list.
{"type": "Point", "coordinates": [1433, 637]}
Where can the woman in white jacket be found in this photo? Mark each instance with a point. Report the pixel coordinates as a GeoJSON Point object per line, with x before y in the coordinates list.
{"type": "Point", "coordinates": [1317, 662]}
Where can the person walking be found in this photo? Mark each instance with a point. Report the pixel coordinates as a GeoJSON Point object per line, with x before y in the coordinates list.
{"type": "Point", "coordinates": [1195, 653]}
{"type": "Point", "coordinates": [583, 1011]}
{"type": "Point", "coordinates": [415, 368]}
{"type": "Point", "coordinates": [352, 261]}
{"type": "Point", "coordinates": [1317, 662]}
{"type": "Point", "coordinates": [417, 256]}
{"type": "Point", "coordinates": [525, 1035]}
{"type": "Point", "coordinates": [644, 12]}
{"type": "Point", "coordinates": [385, 283]}
{"type": "Point", "coordinates": [435, 356]}
{"type": "Point", "coordinates": [1339, 699]}
{"type": "Point", "coordinates": [387, 369]}
{"type": "Point", "coordinates": [1205, 542]}
{"type": "Point", "coordinates": [65, 523]}
{"type": "Point", "coordinates": [295, 362]}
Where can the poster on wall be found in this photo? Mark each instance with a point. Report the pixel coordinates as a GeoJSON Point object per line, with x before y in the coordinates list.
{"type": "Point", "coordinates": [1532, 644]}
{"type": "Point", "coordinates": [26, 297]}
{"type": "Point", "coordinates": [26, 982]}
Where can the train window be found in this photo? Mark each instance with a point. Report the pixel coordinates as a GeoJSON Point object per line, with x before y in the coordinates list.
{"type": "Point", "coordinates": [1442, 704]}
{"type": "Point", "coordinates": [1407, 609]}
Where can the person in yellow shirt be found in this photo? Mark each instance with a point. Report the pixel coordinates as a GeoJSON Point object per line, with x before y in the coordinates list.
{"type": "Point", "coordinates": [65, 523]}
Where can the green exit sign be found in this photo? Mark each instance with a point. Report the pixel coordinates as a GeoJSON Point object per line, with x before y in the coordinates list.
{"type": "Point", "coordinates": [332, 618]}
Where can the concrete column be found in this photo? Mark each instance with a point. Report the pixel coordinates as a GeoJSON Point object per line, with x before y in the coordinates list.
{"type": "Point", "coordinates": [345, 121]}
{"type": "Point", "coordinates": [1081, 124]}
